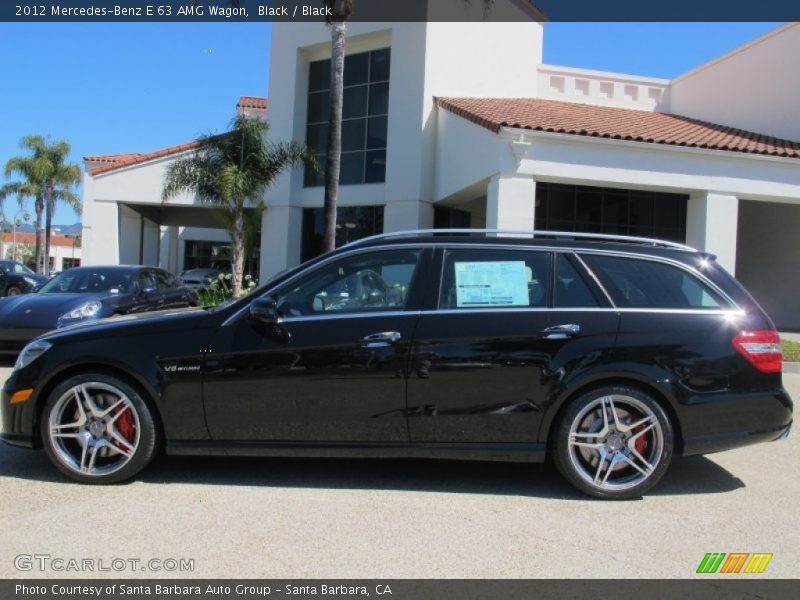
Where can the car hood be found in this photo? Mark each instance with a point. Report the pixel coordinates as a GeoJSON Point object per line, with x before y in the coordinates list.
{"type": "Point", "coordinates": [159, 321]}
{"type": "Point", "coordinates": [42, 310]}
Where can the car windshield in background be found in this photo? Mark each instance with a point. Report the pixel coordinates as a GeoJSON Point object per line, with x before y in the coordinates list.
{"type": "Point", "coordinates": [16, 268]}
{"type": "Point", "coordinates": [89, 281]}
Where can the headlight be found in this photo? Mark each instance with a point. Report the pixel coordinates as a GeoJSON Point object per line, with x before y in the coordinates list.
{"type": "Point", "coordinates": [87, 310]}
{"type": "Point", "coordinates": [31, 281]}
{"type": "Point", "coordinates": [31, 352]}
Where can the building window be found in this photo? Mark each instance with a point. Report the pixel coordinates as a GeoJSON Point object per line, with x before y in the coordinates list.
{"type": "Point", "coordinates": [201, 254]}
{"type": "Point", "coordinates": [365, 113]}
{"type": "Point", "coordinates": [608, 210]}
{"type": "Point", "coordinates": [352, 223]}
{"type": "Point", "coordinates": [69, 263]}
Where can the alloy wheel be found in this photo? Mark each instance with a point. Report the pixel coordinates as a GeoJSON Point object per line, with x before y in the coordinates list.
{"type": "Point", "coordinates": [94, 429]}
{"type": "Point", "coordinates": [615, 443]}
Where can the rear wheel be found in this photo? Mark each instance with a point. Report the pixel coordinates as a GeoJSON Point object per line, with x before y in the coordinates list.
{"type": "Point", "coordinates": [97, 429]}
{"type": "Point", "coordinates": [613, 442]}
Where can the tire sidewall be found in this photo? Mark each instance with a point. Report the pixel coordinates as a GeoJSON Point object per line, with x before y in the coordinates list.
{"type": "Point", "coordinates": [561, 443]}
{"type": "Point", "coordinates": [13, 290]}
{"type": "Point", "coordinates": [148, 434]}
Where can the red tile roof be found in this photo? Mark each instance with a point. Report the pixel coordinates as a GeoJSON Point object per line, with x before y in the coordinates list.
{"type": "Point", "coordinates": [253, 102]}
{"type": "Point", "coordinates": [614, 123]}
{"type": "Point", "coordinates": [117, 161]}
{"type": "Point", "coordinates": [30, 238]}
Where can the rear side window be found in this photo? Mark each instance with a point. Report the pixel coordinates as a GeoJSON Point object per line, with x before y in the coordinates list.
{"type": "Point", "coordinates": [571, 290]}
{"type": "Point", "coordinates": [478, 278]}
{"type": "Point", "coordinates": [640, 283]}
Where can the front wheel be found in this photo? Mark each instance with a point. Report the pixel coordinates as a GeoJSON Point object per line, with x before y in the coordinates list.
{"type": "Point", "coordinates": [13, 290]}
{"type": "Point", "coordinates": [97, 429]}
{"type": "Point", "coordinates": [613, 442]}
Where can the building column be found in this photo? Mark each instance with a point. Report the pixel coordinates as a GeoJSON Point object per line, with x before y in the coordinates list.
{"type": "Point", "coordinates": [407, 215]}
{"type": "Point", "coordinates": [281, 236]}
{"type": "Point", "coordinates": [101, 234]}
{"type": "Point", "coordinates": [711, 225]}
{"type": "Point", "coordinates": [511, 203]}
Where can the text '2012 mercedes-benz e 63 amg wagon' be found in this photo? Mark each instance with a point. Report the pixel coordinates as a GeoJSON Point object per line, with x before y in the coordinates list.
{"type": "Point", "coordinates": [609, 354]}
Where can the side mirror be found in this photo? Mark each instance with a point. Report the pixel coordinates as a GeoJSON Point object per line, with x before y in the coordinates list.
{"type": "Point", "coordinates": [265, 310]}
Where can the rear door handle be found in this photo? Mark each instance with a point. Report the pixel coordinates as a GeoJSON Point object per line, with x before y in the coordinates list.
{"type": "Point", "coordinates": [381, 340]}
{"type": "Point", "coordinates": [561, 332]}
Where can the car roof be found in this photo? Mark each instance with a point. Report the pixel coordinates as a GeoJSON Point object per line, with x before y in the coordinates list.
{"type": "Point", "coordinates": [621, 244]}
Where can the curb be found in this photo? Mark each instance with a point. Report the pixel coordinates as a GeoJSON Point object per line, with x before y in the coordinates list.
{"type": "Point", "coordinates": [791, 367]}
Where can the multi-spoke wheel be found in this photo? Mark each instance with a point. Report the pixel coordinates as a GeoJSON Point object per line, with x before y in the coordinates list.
{"type": "Point", "coordinates": [613, 442]}
{"type": "Point", "coordinates": [97, 429]}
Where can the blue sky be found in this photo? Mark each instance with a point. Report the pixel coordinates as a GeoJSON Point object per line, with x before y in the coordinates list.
{"type": "Point", "coordinates": [135, 87]}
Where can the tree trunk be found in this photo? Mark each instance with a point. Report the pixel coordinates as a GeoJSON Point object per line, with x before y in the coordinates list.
{"type": "Point", "coordinates": [37, 253]}
{"type": "Point", "coordinates": [334, 158]}
{"type": "Point", "coordinates": [237, 254]}
{"type": "Point", "coordinates": [48, 222]}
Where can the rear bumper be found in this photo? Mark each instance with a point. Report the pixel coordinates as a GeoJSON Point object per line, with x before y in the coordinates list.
{"type": "Point", "coordinates": [713, 423]}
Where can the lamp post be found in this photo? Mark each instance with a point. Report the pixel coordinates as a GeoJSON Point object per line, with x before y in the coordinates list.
{"type": "Point", "coordinates": [348, 227]}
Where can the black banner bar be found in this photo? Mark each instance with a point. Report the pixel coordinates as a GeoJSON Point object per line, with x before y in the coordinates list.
{"type": "Point", "coordinates": [397, 10]}
{"type": "Point", "coordinates": [713, 587]}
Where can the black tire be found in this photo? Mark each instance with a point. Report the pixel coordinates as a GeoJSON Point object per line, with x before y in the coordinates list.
{"type": "Point", "coordinates": [572, 462]}
{"type": "Point", "coordinates": [13, 290]}
{"type": "Point", "coordinates": [147, 442]}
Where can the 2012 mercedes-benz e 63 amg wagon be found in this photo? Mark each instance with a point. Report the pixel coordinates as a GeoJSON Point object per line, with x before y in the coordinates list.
{"type": "Point", "coordinates": [609, 354]}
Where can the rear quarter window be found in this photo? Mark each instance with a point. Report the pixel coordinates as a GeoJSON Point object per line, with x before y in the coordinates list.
{"type": "Point", "coordinates": [642, 283]}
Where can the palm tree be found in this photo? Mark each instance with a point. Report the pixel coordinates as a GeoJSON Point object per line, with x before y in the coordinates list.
{"type": "Point", "coordinates": [339, 13]}
{"type": "Point", "coordinates": [230, 169]}
{"type": "Point", "coordinates": [49, 179]}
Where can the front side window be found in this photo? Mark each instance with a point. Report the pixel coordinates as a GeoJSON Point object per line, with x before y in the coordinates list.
{"type": "Point", "coordinates": [477, 278]}
{"type": "Point", "coordinates": [640, 283]}
{"type": "Point", "coordinates": [375, 282]}
{"type": "Point", "coordinates": [365, 112]}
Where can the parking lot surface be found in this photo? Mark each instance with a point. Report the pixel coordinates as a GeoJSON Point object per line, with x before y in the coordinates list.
{"type": "Point", "coordinates": [296, 518]}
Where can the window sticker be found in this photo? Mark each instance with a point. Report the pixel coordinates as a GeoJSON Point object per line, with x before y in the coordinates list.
{"type": "Point", "coordinates": [491, 284]}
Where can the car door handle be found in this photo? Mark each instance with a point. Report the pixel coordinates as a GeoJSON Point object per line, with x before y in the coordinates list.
{"type": "Point", "coordinates": [381, 340]}
{"type": "Point", "coordinates": [561, 332]}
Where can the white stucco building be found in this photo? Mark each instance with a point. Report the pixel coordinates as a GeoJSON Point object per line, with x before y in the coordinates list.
{"type": "Point", "coordinates": [461, 124]}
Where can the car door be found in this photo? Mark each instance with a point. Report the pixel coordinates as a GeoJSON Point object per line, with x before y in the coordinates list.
{"type": "Point", "coordinates": [489, 356]}
{"type": "Point", "coordinates": [334, 369]}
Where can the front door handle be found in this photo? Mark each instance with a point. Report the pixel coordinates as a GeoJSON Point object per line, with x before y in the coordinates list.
{"type": "Point", "coordinates": [381, 340]}
{"type": "Point", "coordinates": [561, 332]}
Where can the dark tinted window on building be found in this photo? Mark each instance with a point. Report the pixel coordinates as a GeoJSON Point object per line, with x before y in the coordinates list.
{"type": "Point", "coordinates": [364, 117]}
{"type": "Point", "coordinates": [353, 223]}
{"type": "Point", "coordinates": [607, 210]}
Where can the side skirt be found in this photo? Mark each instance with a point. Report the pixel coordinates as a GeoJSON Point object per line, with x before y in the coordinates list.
{"type": "Point", "coordinates": [483, 452]}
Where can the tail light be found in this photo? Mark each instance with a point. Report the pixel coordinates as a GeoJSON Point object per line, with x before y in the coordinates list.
{"type": "Point", "coordinates": [761, 348]}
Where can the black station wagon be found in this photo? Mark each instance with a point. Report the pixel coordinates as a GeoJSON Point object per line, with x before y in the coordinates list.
{"type": "Point", "coordinates": [608, 354]}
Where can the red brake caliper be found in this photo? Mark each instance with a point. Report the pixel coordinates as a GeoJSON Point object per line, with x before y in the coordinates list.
{"type": "Point", "coordinates": [126, 426]}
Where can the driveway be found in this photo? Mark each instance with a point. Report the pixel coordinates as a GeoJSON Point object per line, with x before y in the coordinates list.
{"type": "Point", "coordinates": [293, 518]}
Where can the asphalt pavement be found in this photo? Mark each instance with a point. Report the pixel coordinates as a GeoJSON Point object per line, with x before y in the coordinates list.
{"type": "Point", "coordinates": [301, 518]}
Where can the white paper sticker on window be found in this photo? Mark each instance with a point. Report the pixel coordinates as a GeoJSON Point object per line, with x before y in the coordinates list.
{"type": "Point", "coordinates": [491, 284]}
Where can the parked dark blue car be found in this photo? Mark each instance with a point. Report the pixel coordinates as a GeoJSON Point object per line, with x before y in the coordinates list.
{"type": "Point", "coordinates": [85, 294]}
{"type": "Point", "coordinates": [16, 279]}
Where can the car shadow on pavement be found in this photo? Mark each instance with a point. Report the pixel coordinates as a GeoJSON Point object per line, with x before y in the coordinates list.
{"type": "Point", "coordinates": [695, 475]}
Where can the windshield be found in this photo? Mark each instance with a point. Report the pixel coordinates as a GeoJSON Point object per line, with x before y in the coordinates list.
{"type": "Point", "coordinates": [89, 281]}
{"type": "Point", "coordinates": [13, 267]}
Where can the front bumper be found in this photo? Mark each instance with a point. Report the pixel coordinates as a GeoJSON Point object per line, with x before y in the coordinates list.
{"type": "Point", "coordinates": [17, 421]}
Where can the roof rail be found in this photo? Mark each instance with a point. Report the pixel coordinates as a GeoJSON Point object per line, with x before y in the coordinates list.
{"type": "Point", "coordinates": [526, 233]}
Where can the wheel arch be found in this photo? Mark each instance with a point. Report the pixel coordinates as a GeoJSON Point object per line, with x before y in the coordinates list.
{"type": "Point", "coordinates": [145, 390]}
{"type": "Point", "coordinates": [660, 395]}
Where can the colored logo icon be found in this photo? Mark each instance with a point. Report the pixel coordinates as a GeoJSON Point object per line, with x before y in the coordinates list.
{"type": "Point", "coordinates": [735, 562]}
